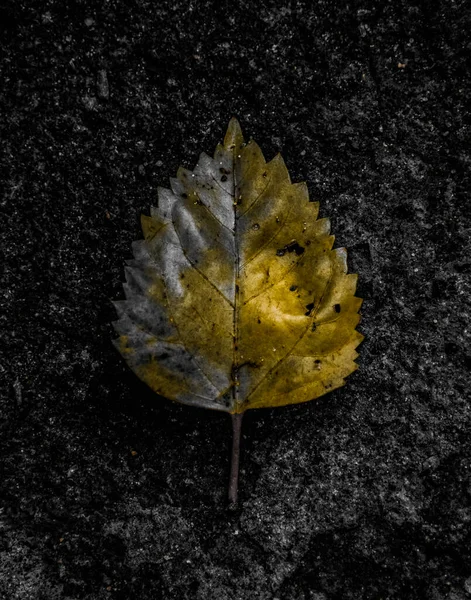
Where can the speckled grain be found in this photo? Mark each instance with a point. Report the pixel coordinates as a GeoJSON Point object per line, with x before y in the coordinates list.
{"type": "Point", "coordinates": [109, 492]}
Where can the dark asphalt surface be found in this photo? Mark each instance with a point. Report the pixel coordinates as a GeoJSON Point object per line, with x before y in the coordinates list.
{"type": "Point", "coordinates": [111, 492]}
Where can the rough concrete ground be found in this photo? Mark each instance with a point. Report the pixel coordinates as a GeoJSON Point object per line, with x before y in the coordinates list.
{"type": "Point", "coordinates": [109, 492]}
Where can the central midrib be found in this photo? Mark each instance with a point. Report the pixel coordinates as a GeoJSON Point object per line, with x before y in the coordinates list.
{"type": "Point", "coordinates": [235, 372]}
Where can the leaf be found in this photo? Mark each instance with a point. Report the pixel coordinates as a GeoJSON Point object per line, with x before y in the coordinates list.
{"type": "Point", "coordinates": [235, 298]}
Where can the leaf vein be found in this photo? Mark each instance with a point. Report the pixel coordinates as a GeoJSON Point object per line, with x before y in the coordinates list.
{"type": "Point", "coordinates": [192, 357]}
{"type": "Point", "coordinates": [270, 239]}
{"type": "Point", "coordinates": [205, 277]}
{"type": "Point", "coordinates": [276, 365]}
{"type": "Point", "coordinates": [249, 208]}
{"type": "Point", "coordinates": [291, 268]}
{"type": "Point", "coordinates": [217, 219]}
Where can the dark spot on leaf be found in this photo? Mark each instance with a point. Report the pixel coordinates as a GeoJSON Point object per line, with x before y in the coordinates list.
{"type": "Point", "coordinates": [337, 308]}
{"type": "Point", "coordinates": [313, 328]}
{"type": "Point", "coordinates": [264, 174]}
{"type": "Point", "coordinates": [250, 363]}
{"type": "Point", "coordinates": [309, 308]}
{"type": "Point", "coordinates": [293, 288]}
{"type": "Point", "coordinates": [317, 361]}
{"type": "Point", "coordinates": [291, 247]}
{"type": "Point", "coordinates": [224, 178]}
{"type": "Point", "coordinates": [295, 247]}
{"type": "Point", "coordinates": [258, 320]}
{"type": "Point", "coordinates": [162, 356]}
{"type": "Point", "coordinates": [255, 226]}
{"type": "Point", "coordinates": [184, 195]}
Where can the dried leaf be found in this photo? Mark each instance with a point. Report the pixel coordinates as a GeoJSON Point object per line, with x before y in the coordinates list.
{"type": "Point", "coordinates": [235, 298]}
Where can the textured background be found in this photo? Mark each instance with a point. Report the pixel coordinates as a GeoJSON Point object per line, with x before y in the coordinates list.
{"type": "Point", "coordinates": [110, 492]}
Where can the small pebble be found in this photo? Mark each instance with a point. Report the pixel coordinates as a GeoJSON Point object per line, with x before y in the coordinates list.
{"type": "Point", "coordinates": [103, 88]}
{"type": "Point", "coordinates": [89, 102]}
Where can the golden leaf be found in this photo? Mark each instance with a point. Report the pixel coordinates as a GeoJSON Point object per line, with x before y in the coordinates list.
{"type": "Point", "coordinates": [235, 298]}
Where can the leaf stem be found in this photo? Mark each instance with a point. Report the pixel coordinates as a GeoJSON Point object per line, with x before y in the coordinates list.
{"type": "Point", "coordinates": [234, 477]}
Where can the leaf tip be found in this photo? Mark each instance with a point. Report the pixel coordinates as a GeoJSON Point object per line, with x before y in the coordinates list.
{"type": "Point", "coordinates": [233, 137]}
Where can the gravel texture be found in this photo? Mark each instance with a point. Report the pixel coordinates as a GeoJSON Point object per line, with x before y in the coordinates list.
{"type": "Point", "coordinates": [107, 490]}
